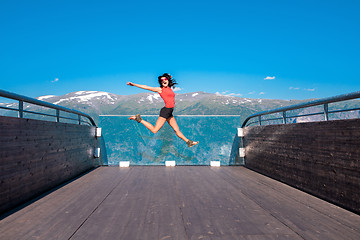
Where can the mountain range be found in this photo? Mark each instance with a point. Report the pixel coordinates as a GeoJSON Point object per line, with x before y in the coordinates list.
{"type": "Point", "coordinates": [97, 103]}
{"type": "Point", "coordinates": [196, 103]}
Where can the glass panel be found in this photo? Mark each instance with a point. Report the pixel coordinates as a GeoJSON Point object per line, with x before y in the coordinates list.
{"type": "Point", "coordinates": [349, 104]}
{"type": "Point", "coordinates": [40, 110]}
{"type": "Point", "coordinates": [307, 114]}
{"type": "Point", "coordinates": [127, 140]}
{"type": "Point", "coordinates": [8, 103]}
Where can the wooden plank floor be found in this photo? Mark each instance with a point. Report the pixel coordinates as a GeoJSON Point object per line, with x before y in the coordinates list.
{"type": "Point", "coordinates": [178, 203]}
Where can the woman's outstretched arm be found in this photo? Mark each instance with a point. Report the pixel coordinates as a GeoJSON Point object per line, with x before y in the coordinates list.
{"type": "Point", "coordinates": [154, 89]}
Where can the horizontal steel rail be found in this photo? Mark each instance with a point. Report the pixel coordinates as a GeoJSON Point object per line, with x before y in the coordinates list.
{"type": "Point", "coordinates": [283, 110]}
{"type": "Point", "coordinates": [34, 101]}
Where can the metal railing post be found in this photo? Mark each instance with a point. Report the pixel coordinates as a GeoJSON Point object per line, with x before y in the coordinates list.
{"type": "Point", "coordinates": [79, 119]}
{"type": "Point", "coordinates": [57, 115]}
{"type": "Point", "coordinates": [21, 109]}
{"type": "Point", "coordinates": [260, 120]}
{"type": "Point", "coordinates": [326, 112]}
{"type": "Point", "coordinates": [284, 117]}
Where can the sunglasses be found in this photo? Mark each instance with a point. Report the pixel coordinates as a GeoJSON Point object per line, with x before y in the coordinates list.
{"type": "Point", "coordinates": [163, 80]}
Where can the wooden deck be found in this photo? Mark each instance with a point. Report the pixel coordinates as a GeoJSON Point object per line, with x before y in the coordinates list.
{"type": "Point", "coordinates": [178, 203]}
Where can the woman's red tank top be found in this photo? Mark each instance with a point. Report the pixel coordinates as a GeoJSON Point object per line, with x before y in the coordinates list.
{"type": "Point", "coordinates": [168, 95]}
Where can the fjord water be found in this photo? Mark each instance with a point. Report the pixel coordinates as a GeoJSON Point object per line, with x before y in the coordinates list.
{"type": "Point", "coordinates": [127, 140]}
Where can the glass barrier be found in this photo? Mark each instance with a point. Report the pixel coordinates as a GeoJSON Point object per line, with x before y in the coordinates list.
{"type": "Point", "coordinates": [127, 140]}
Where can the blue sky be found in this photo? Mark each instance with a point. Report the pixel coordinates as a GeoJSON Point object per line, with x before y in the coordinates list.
{"type": "Point", "coordinates": [279, 49]}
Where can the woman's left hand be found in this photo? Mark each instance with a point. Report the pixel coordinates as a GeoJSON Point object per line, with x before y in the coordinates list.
{"type": "Point", "coordinates": [130, 83]}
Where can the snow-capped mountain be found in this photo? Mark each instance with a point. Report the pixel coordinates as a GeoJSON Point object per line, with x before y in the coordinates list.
{"type": "Point", "coordinates": [86, 97]}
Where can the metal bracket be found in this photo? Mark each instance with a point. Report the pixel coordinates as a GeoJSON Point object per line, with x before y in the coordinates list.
{"type": "Point", "coordinates": [124, 164]}
{"type": "Point", "coordinates": [240, 132]}
{"type": "Point", "coordinates": [98, 132]}
{"type": "Point", "coordinates": [170, 163]}
{"type": "Point", "coordinates": [242, 152]}
{"type": "Point", "coordinates": [215, 163]}
{"type": "Point", "coordinates": [97, 153]}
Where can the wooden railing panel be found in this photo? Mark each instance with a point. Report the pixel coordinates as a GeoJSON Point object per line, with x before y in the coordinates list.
{"type": "Point", "coordinates": [322, 158]}
{"type": "Point", "coordinates": [36, 156]}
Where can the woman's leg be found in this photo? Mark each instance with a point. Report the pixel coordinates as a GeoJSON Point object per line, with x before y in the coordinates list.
{"type": "Point", "coordinates": [172, 122]}
{"type": "Point", "coordinates": [159, 123]}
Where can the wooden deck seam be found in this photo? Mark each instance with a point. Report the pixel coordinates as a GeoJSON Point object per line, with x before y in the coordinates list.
{"type": "Point", "coordinates": [324, 213]}
{"type": "Point", "coordinates": [99, 204]}
{"type": "Point", "coordinates": [279, 188]}
{"type": "Point", "coordinates": [179, 205]}
{"type": "Point", "coordinates": [258, 204]}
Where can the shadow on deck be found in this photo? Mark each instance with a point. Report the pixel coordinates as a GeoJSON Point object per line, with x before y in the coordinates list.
{"type": "Point", "coordinates": [179, 203]}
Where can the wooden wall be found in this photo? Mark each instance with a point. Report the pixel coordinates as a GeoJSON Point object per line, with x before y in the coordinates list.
{"type": "Point", "coordinates": [36, 156]}
{"type": "Point", "coordinates": [322, 158]}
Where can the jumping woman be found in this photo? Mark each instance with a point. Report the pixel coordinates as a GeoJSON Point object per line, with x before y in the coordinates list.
{"type": "Point", "coordinates": [166, 82]}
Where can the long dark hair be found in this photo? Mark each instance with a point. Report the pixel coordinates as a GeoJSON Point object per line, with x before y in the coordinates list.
{"type": "Point", "coordinates": [172, 81]}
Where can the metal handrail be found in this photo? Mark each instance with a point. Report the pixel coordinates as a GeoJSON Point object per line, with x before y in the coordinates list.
{"type": "Point", "coordinates": [323, 101]}
{"type": "Point", "coordinates": [34, 101]}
